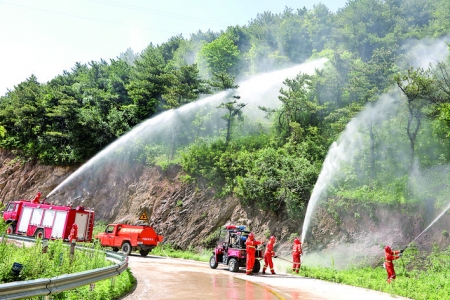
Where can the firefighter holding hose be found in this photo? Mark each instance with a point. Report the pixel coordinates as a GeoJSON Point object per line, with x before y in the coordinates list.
{"type": "Point", "coordinates": [250, 246]}
{"type": "Point", "coordinates": [389, 256]}
{"type": "Point", "coordinates": [37, 198]}
{"type": "Point", "coordinates": [268, 254]}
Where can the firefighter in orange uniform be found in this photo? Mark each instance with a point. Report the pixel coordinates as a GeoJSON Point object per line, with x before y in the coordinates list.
{"type": "Point", "coordinates": [36, 199]}
{"type": "Point", "coordinates": [268, 255]}
{"type": "Point", "coordinates": [296, 252]}
{"type": "Point", "coordinates": [73, 233]}
{"type": "Point", "coordinates": [250, 246]}
{"type": "Point", "coordinates": [389, 256]}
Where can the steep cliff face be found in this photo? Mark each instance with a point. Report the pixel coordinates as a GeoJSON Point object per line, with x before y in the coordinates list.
{"type": "Point", "coordinates": [21, 179]}
{"type": "Point", "coordinates": [188, 213]}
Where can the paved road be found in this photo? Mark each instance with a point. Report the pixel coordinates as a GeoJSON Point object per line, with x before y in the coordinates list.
{"type": "Point", "coordinates": [167, 278]}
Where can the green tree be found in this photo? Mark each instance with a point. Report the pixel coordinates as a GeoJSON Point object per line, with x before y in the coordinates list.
{"type": "Point", "coordinates": [169, 48]}
{"type": "Point", "coordinates": [58, 144]}
{"type": "Point", "coordinates": [294, 38]}
{"type": "Point", "coordinates": [418, 87]}
{"type": "Point", "coordinates": [22, 116]}
{"type": "Point", "coordinates": [221, 55]}
{"type": "Point", "coordinates": [147, 82]}
{"type": "Point", "coordinates": [234, 113]}
{"type": "Point", "coordinates": [362, 25]}
{"type": "Point", "coordinates": [263, 29]}
{"type": "Point", "coordinates": [277, 178]}
{"type": "Point", "coordinates": [183, 86]}
{"type": "Point", "coordinates": [366, 82]}
{"type": "Point", "coordinates": [222, 81]}
{"type": "Point", "coordinates": [297, 105]}
{"type": "Point", "coordinates": [319, 23]}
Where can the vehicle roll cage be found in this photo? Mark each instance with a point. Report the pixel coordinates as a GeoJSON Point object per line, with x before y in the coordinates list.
{"type": "Point", "coordinates": [237, 235]}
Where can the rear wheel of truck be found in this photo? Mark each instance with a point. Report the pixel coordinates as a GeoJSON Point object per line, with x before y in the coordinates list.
{"type": "Point", "coordinates": [256, 266]}
{"type": "Point", "coordinates": [212, 262]}
{"type": "Point", "coordinates": [126, 248]}
{"type": "Point", "coordinates": [39, 234]}
{"type": "Point", "coordinates": [233, 265]}
{"type": "Point", "coordinates": [144, 253]}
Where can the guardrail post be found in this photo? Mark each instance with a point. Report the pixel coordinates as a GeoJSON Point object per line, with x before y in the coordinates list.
{"type": "Point", "coordinates": [72, 250]}
{"type": "Point", "coordinates": [113, 281]}
{"type": "Point", "coordinates": [44, 245]}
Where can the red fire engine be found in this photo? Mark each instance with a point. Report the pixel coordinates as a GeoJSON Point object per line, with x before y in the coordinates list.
{"type": "Point", "coordinates": [45, 220]}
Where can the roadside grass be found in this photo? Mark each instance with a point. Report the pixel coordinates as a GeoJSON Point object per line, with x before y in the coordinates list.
{"type": "Point", "coordinates": [168, 250]}
{"type": "Point", "coordinates": [420, 276]}
{"type": "Point", "coordinates": [57, 261]}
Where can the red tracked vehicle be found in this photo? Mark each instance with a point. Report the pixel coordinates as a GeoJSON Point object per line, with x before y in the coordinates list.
{"type": "Point", "coordinates": [231, 251]}
{"type": "Point", "coordinates": [48, 221]}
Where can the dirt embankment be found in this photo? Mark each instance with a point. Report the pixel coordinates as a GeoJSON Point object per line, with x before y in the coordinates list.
{"type": "Point", "coordinates": [187, 213]}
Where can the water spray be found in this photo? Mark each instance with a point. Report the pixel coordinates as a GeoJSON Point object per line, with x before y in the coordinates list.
{"type": "Point", "coordinates": [435, 220]}
{"type": "Point", "coordinates": [50, 195]}
{"type": "Point", "coordinates": [46, 197]}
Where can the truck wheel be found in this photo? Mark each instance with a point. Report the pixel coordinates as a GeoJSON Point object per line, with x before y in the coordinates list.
{"type": "Point", "coordinates": [39, 234]}
{"type": "Point", "coordinates": [10, 229]}
{"type": "Point", "coordinates": [126, 248]}
{"type": "Point", "coordinates": [144, 253]}
{"type": "Point", "coordinates": [212, 262]}
{"type": "Point", "coordinates": [233, 265]}
{"type": "Point", "coordinates": [115, 249]}
{"type": "Point", "coordinates": [256, 266]}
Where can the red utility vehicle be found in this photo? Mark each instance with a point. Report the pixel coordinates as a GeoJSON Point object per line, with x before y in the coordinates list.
{"type": "Point", "coordinates": [45, 220]}
{"type": "Point", "coordinates": [231, 249]}
{"type": "Point", "coordinates": [130, 238]}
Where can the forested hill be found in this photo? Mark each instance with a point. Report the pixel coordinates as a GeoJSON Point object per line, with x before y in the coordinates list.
{"type": "Point", "coordinates": [370, 47]}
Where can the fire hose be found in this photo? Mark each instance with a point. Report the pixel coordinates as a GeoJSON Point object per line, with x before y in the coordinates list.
{"type": "Point", "coordinates": [262, 258]}
{"type": "Point", "coordinates": [285, 260]}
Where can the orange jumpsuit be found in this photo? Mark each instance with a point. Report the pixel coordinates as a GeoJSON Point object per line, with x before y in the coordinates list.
{"type": "Point", "coordinates": [250, 246]}
{"type": "Point", "coordinates": [296, 252]}
{"type": "Point", "coordinates": [268, 257]}
{"type": "Point", "coordinates": [36, 199]}
{"type": "Point", "coordinates": [73, 236]}
{"type": "Point", "coordinates": [389, 256]}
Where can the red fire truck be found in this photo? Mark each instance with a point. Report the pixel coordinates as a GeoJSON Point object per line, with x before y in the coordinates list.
{"type": "Point", "coordinates": [45, 220]}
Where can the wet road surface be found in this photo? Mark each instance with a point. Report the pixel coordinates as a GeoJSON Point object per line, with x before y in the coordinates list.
{"type": "Point", "coordinates": [168, 278]}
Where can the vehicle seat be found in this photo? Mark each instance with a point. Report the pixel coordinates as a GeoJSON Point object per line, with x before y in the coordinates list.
{"type": "Point", "coordinates": [242, 241]}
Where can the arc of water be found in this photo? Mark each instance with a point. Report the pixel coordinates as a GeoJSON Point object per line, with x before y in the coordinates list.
{"type": "Point", "coordinates": [344, 150]}
{"type": "Point", "coordinates": [431, 224]}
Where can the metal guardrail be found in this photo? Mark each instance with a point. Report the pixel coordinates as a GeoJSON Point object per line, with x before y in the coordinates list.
{"type": "Point", "coordinates": [54, 285]}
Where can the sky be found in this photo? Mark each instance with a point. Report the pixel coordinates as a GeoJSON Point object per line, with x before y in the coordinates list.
{"type": "Point", "coordinates": [46, 37]}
